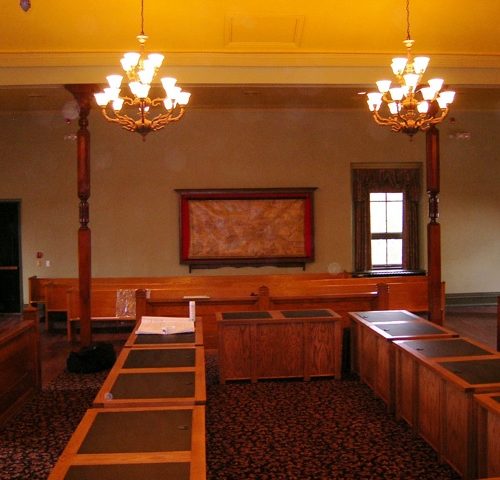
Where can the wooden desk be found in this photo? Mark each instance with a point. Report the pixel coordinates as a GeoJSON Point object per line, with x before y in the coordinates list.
{"type": "Point", "coordinates": [488, 434]}
{"type": "Point", "coordinates": [19, 365]}
{"type": "Point", "coordinates": [162, 341]}
{"type": "Point", "coordinates": [462, 379]}
{"type": "Point", "coordinates": [375, 349]}
{"type": "Point", "coordinates": [279, 344]}
{"type": "Point", "coordinates": [373, 316]}
{"type": "Point", "coordinates": [411, 395]}
{"type": "Point", "coordinates": [445, 398]}
{"type": "Point", "coordinates": [155, 377]}
{"type": "Point", "coordinates": [166, 443]}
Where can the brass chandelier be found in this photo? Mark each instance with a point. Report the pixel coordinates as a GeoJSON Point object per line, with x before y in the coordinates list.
{"type": "Point", "coordinates": [410, 106]}
{"type": "Point", "coordinates": [141, 71]}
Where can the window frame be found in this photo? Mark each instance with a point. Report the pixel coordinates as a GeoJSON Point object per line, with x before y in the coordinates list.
{"type": "Point", "coordinates": [387, 235]}
{"type": "Point", "coordinates": [387, 178]}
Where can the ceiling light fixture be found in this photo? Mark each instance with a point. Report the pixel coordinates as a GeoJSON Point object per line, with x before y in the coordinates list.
{"type": "Point", "coordinates": [141, 71]}
{"type": "Point", "coordinates": [410, 106]}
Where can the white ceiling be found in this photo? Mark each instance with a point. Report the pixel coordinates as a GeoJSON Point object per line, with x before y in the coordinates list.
{"type": "Point", "coordinates": [249, 53]}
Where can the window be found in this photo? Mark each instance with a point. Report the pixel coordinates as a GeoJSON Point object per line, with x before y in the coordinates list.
{"type": "Point", "coordinates": [385, 214]}
{"type": "Point", "coordinates": [386, 229]}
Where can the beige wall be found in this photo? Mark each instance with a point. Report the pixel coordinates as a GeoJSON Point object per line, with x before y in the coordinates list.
{"type": "Point", "coordinates": [133, 206]}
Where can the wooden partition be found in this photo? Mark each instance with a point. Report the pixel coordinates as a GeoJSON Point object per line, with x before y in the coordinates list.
{"type": "Point", "coordinates": [488, 434]}
{"type": "Point", "coordinates": [19, 364]}
{"type": "Point", "coordinates": [436, 384]}
{"type": "Point", "coordinates": [412, 357]}
{"type": "Point", "coordinates": [375, 339]}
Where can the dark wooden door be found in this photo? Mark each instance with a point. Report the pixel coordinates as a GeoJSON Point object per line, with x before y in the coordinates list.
{"type": "Point", "coordinates": [10, 258]}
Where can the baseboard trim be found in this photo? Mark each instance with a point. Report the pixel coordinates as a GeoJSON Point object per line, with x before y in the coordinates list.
{"type": "Point", "coordinates": [471, 299]}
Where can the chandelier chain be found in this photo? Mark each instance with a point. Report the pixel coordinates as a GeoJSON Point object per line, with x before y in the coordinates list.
{"type": "Point", "coordinates": [408, 37]}
{"type": "Point", "coordinates": [142, 17]}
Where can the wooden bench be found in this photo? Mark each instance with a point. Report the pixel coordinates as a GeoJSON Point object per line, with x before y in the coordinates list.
{"type": "Point", "coordinates": [398, 292]}
{"type": "Point", "coordinates": [103, 305]}
{"type": "Point", "coordinates": [224, 285]}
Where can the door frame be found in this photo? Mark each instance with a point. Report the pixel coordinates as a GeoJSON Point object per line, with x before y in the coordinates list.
{"type": "Point", "coordinates": [18, 203]}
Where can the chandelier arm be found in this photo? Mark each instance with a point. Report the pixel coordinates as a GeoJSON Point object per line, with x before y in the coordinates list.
{"type": "Point", "coordinates": [394, 124]}
{"type": "Point", "coordinates": [156, 101]}
{"type": "Point", "coordinates": [123, 120]}
{"type": "Point", "coordinates": [164, 119]}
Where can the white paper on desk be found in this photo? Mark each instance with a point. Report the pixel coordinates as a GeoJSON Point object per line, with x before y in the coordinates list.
{"type": "Point", "coordinates": [165, 325]}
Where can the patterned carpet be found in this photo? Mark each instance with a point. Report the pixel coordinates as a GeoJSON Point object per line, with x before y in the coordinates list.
{"type": "Point", "coordinates": [31, 443]}
{"type": "Point", "coordinates": [279, 430]}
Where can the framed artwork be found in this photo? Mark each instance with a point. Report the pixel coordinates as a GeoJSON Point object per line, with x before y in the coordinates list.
{"type": "Point", "coordinates": [238, 227]}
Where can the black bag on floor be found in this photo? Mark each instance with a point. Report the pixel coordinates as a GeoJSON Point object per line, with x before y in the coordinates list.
{"type": "Point", "coordinates": [96, 357]}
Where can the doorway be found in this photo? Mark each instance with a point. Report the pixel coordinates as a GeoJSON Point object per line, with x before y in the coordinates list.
{"type": "Point", "coordinates": [10, 258]}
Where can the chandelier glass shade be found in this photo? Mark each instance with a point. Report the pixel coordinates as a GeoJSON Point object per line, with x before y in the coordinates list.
{"type": "Point", "coordinates": [150, 114]}
{"type": "Point", "coordinates": [409, 106]}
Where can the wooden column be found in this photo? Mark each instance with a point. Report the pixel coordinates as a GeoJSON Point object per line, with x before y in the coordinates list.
{"type": "Point", "coordinates": [84, 96]}
{"type": "Point", "coordinates": [433, 227]}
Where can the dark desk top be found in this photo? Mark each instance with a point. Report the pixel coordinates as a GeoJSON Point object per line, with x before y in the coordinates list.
{"type": "Point", "coordinates": [139, 431]}
{"type": "Point", "coordinates": [153, 385]}
{"type": "Point", "coordinates": [450, 347]}
{"type": "Point", "coordinates": [387, 316]}
{"type": "Point", "coordinates": [305, 313]}
{"type": "Point", "coordinates": [160, 358]}
{"type": "Point", "coordinates": [409, 329]}
{"type": "Point", "coordinates": [475, 372]}
{"type": "Point", "coordinates": [130, 471]}
{"type": "Point", "coordinates": [279, 315]}
{"type": "Point", "coordinates": [245, 315]}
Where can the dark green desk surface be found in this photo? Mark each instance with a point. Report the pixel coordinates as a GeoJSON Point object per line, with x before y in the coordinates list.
{"type": "Point", "coordinates": [388, 316]}
{"type": "Point", "coordinates": [245, 315]}
{"type": "Point", "coordinates": [305, 313]}
{"type": "Point", "coordinates": [145, 339]}
{"type": "Point", "coordinates": [452, 347]}
{"type": "Point", "coordinates": [153, 385]}
{"type": "Point", "coordinates": [475, 372]}
{"type": "Point", "coordinates": [496, 399]}
{"type": "Point", "coordinates": [130, 471]}
{"type": "Point", "coordinates": [160, 358]}
{"type": "Point", "coordinates": [410, 329]}
{"type": "Point", "coordinates": [139, 431]}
